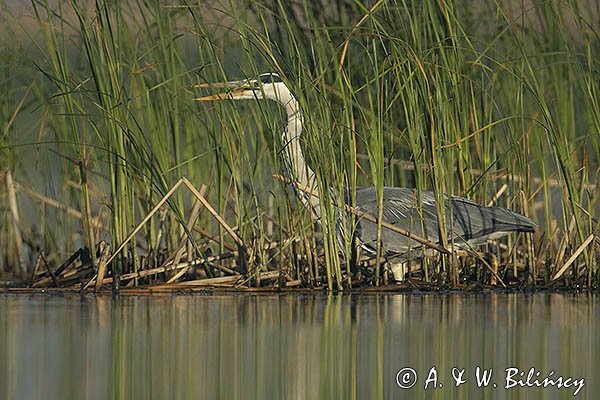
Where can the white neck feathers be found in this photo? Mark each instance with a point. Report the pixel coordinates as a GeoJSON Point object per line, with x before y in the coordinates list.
{"type": "Point", "coordinates": [297, 167]}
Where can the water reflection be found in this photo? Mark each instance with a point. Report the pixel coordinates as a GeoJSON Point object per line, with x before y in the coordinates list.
{"type": "Point", "coordinates": [291, 346]}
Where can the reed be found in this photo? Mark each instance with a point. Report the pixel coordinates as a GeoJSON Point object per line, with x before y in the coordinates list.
{"type": "Point", "coordinates": [496, 103]}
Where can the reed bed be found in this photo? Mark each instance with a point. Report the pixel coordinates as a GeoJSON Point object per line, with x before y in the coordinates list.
{"type": "Point", "coordinates": [112, 176]}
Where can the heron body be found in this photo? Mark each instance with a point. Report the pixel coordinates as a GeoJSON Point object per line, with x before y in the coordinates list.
{"type": "Point", "coordinates": [468, 224]}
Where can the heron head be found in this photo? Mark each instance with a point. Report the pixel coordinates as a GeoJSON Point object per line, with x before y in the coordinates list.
{"type": "Point", "coordinates": [266, 86]}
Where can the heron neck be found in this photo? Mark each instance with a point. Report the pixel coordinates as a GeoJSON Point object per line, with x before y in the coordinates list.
{"type": "Point", "coordinates": [298, 170]}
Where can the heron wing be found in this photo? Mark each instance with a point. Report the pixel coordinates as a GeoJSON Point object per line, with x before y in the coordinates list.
{"type": "Point", "coordinates": [400, 208]}
{"type": "Point", "coordinates": [468, 223]}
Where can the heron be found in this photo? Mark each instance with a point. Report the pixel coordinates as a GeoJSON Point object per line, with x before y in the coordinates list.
{"type": "Point", "coordinates": [470, 224]}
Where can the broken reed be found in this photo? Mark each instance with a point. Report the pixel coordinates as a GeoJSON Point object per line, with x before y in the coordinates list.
{"type": "Point", "coordinates": [473, 110]}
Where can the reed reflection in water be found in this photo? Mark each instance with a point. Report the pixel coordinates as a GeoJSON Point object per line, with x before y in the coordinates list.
{"type": "Point", "coordinates": [291, 346]}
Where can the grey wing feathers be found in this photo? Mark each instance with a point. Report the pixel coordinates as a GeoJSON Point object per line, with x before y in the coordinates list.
{"type": "Point", "coordinates": [468, 223]}
{"type": "Point", "coordinates": [481, 222]}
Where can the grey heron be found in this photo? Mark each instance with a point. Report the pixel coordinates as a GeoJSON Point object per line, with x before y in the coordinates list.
{"type": "Point", "coordinates": [469, 224]}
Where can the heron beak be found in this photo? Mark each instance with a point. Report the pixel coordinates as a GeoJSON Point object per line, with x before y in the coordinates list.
{"type": "Point", "coordinates": [222, 96]}
{"type": "Point", "coordinates": [237, 86]}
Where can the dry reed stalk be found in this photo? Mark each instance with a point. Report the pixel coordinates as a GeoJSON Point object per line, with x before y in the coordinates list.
{"type": "Point", "coordinates": [592, 255]}
{"type": "Point", "coordinates": [53, 203]}
{"type": "Point", "coordinates": [14, 211]}
{"type": "Point", "coordinates": [211, 210]}
{"type": "Point", "coordinates": [67, 270]}
{"type": "Point", "coordinates": [47, 265]}
{"type": "Point", "coordinates": [38, 261]}
{"type": "Point", "coordinates": [207, 282]}
{"type": "Point", "coordinates": [497, 195]}
{"type": "Point", "coordinates": [103, 255]}
{"type": "Point", "coordinates": [64, 266]}
{"type": "Point", "coordinates": [87, 224]}
{"type": "Point", "coordinates": [233, 280]}
{"type": "Point", "coordinates": [77, 186]}
{"type": "Point", "coordinates": [160, 270]}
{"type": "Point", "coordinates": [204, 233]}
{"type": "Point", "coordinates": [18, 108]}
{"type": "Point", "coordinates": [573, 257]}
{"type": "Point", "coordinates": [183, 242]}
{"type": "Point", "coordinates": [222, 268]}
{"type": "Point", "coordinates": [562, 248]}
{"type": "Point", "coordinates": [494, 266]}
{"type": "Point", "coordinates": [373, 8]}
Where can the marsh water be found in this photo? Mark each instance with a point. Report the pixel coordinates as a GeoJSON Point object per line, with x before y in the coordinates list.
{"type": "Point", "coordinates": [299, 346]}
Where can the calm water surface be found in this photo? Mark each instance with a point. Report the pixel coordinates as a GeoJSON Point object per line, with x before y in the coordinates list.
{"type": "Point", "coordinates": [295, 346]}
